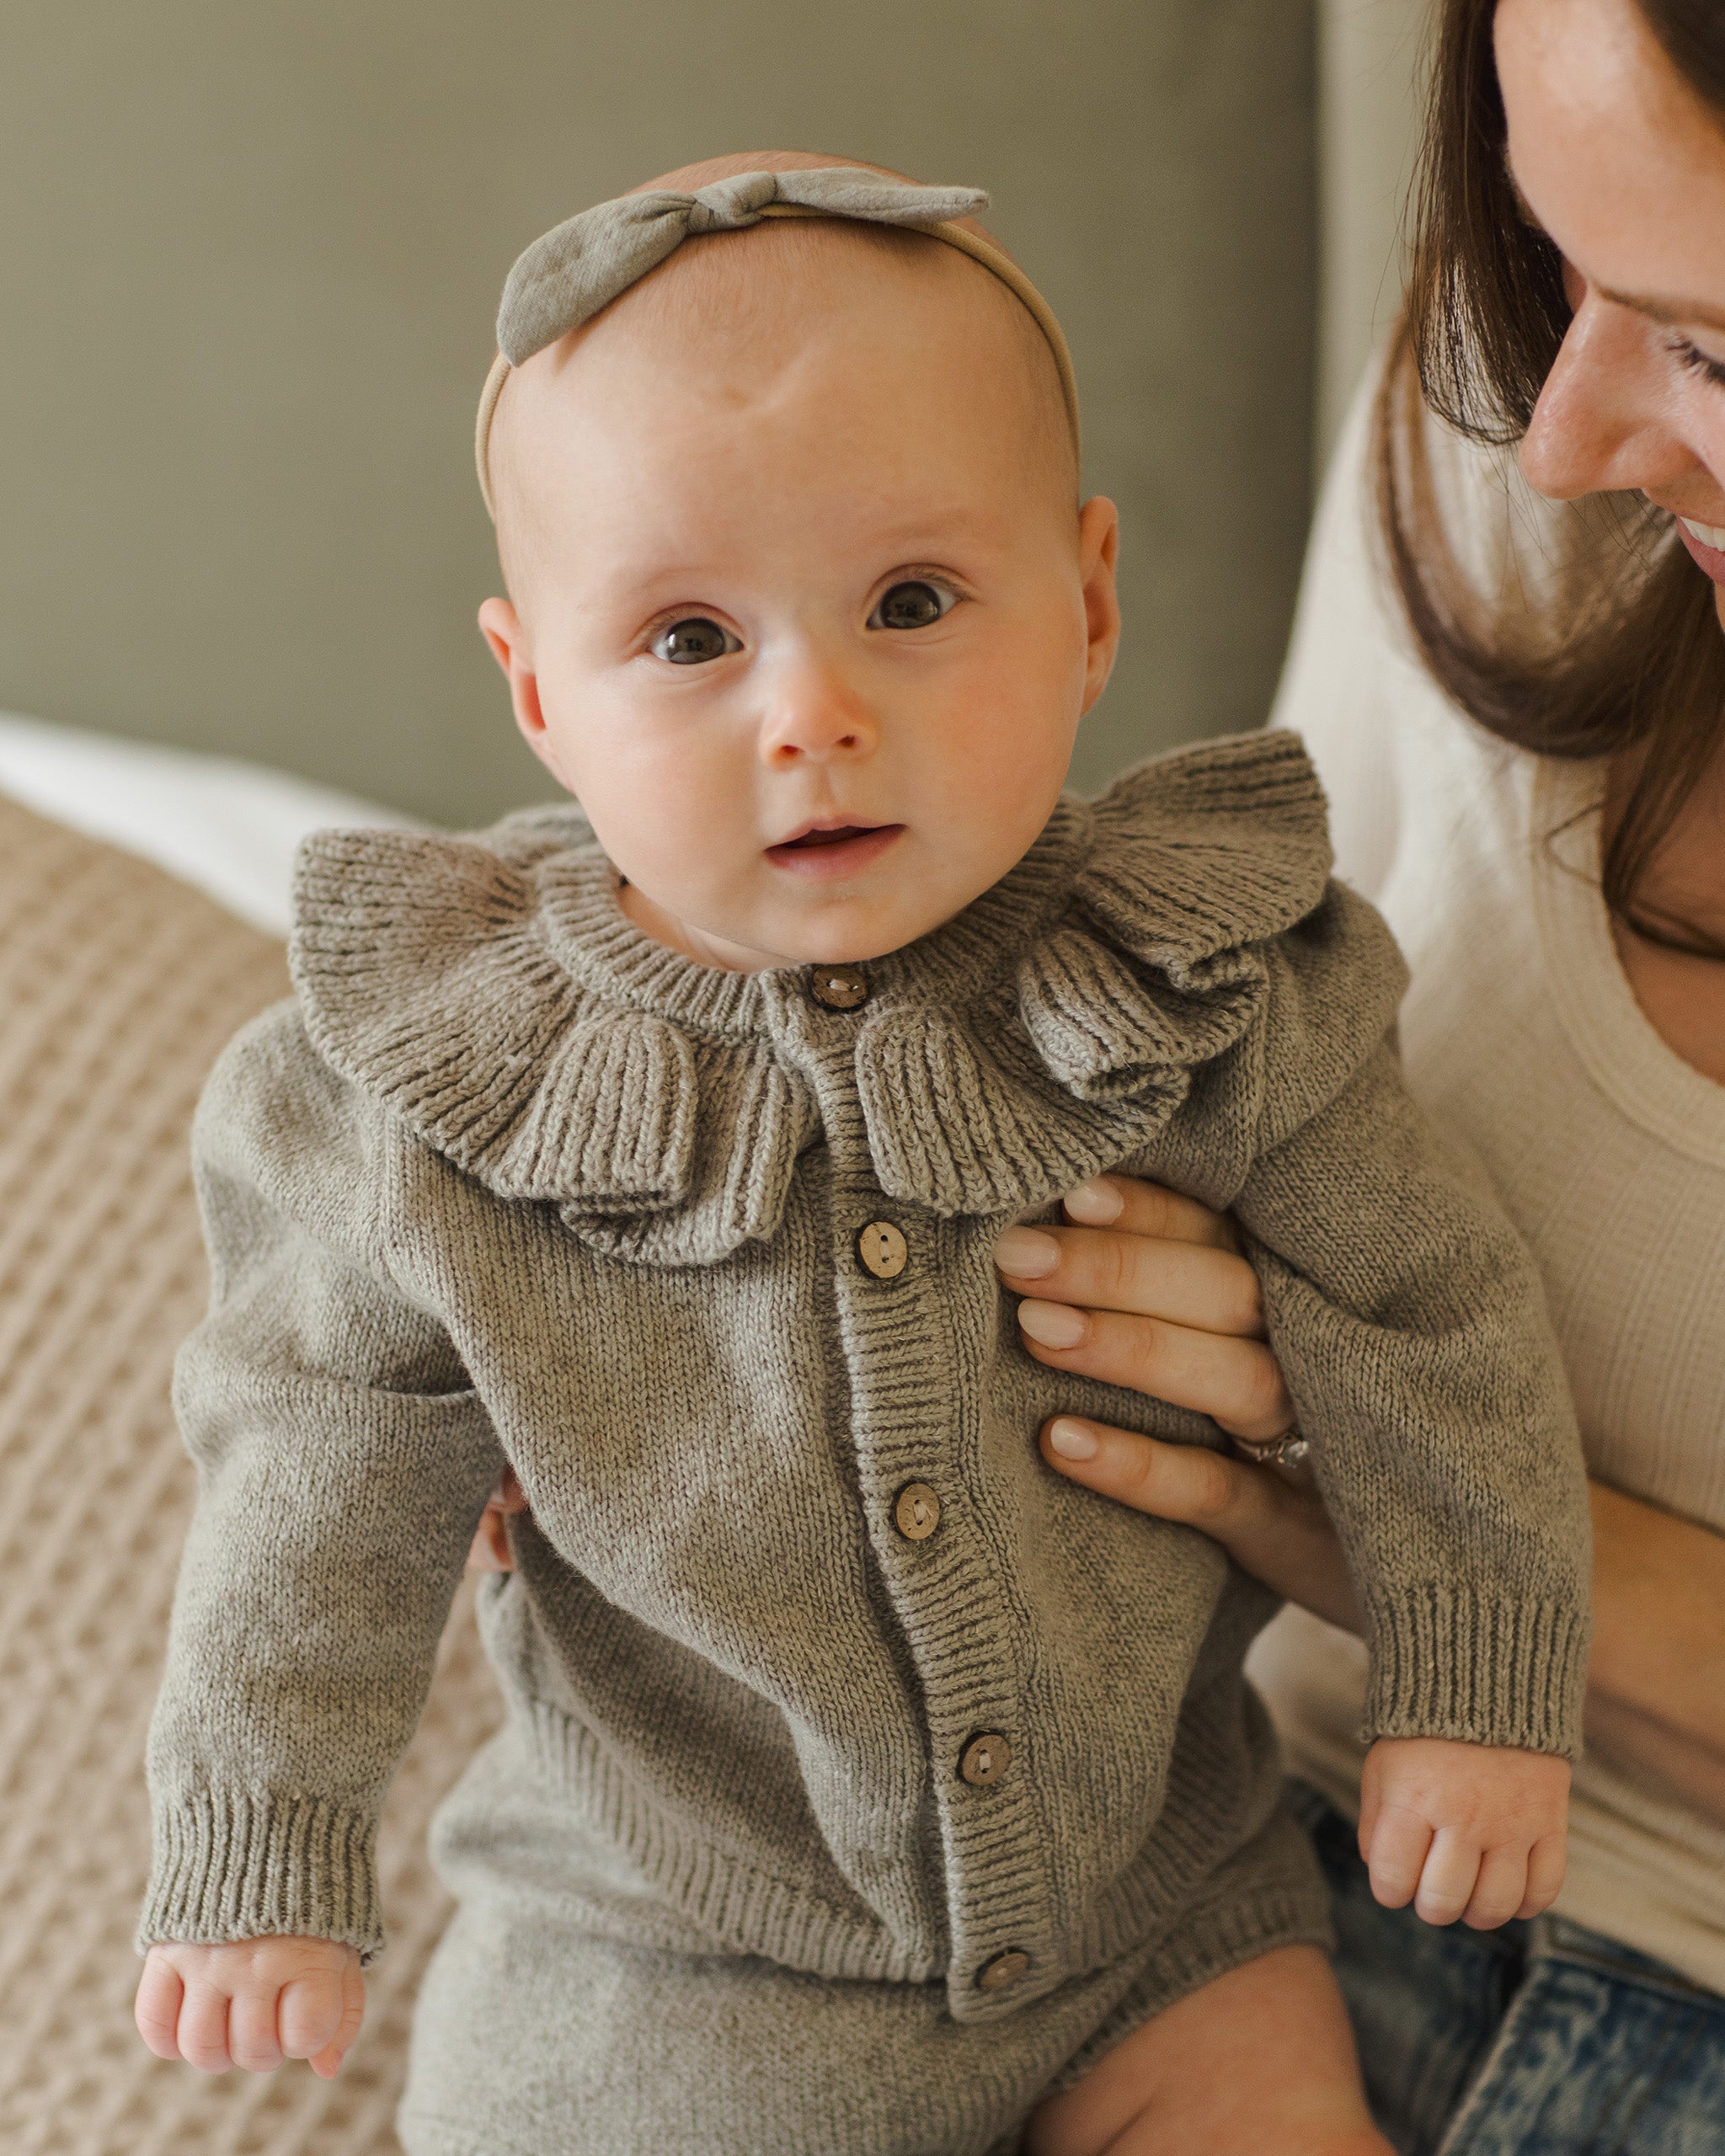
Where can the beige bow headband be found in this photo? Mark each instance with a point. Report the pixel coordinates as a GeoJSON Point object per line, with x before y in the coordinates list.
{"type": "Point", "coordinates": [569, 273]}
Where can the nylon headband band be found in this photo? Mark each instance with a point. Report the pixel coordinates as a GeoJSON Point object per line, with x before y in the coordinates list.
{"type": "Point", "coordinates": [579, 267]}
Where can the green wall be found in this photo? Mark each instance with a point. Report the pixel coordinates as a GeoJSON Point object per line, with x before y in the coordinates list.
{"type": "Point", "coordinates": [251, 253]}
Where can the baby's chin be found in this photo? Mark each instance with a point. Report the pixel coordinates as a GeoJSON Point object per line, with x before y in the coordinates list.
{"type": "Point", "coordinates": [841, 930]}
{"type": "Point", "coordinates": [857, 935]}
{"type": "Point", "coordinates": [854, 929]}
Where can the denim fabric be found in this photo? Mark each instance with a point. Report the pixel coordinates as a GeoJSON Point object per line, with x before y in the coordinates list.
{"type": "Point", "coordinates": [1537, 2040]}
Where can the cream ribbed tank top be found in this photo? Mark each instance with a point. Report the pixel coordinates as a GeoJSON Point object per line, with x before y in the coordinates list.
{"type": "Point", "coordinates": [1521, 1034]}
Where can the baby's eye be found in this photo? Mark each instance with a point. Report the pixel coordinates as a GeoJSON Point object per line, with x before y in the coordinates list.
{"type": "Point", "coordinates": [913, 605]}
{"type": "Point", "coordinates": [693, 641]}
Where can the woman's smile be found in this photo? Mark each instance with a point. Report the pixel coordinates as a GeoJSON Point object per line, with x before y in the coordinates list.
{"type": "Point", "coordinates": [1706, 544]}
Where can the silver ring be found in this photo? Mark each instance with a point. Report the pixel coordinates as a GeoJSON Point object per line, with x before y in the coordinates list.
{"type": "Point", "coordinates": [1287, 1450]}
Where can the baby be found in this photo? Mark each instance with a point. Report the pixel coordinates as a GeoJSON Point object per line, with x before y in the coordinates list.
{"type": "Point", "coordinates": [867, 1789]}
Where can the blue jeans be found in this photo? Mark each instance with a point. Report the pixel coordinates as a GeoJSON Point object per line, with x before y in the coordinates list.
{"type": "Point", "coordinates": [1541, 2039]}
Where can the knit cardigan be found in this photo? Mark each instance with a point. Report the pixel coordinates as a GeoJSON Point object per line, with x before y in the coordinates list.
{"type": "Point", "coordinates": [509, 1182]}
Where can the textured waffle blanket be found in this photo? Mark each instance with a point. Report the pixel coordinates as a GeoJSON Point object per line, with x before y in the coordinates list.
{"type": "Point", "coordinates": [118, 987]}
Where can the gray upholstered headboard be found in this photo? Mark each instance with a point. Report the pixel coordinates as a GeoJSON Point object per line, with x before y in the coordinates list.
{"type": "Point", "coordinates": [248, 291]}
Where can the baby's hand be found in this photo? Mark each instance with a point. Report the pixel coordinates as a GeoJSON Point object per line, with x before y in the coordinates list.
{"type": "Point", "coordinates": [1473, 1831]}
{"type": "Point", "coordinates": [252, 2004]}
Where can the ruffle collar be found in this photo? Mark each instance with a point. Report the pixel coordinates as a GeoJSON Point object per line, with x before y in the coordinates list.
{"type": "Point", "coordinates": [492, 995]}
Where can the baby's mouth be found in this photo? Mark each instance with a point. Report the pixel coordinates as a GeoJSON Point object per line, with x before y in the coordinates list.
{"type": "Point", "coordinates": [827, 851]}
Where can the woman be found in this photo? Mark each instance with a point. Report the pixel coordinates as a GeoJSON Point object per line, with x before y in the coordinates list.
{"type": "Point", "coordinates": [1556, 870]}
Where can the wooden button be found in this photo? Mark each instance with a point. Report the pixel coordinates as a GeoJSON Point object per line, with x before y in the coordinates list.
{"type": "Point", "coordinates": [883, 1250]}
{"type": "Point", "coordinates": [916, 1512]}
{"type": "Point", "coordinates": [1004, 1970]}
{"type": "Point", "coordinates": [840, 988]}
{"type": "Point", "coordinates": [984, 1759]}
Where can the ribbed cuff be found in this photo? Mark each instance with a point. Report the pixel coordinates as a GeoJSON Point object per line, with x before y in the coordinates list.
{"type": "Point", "coordinates": [1483, 1668]}
{"type": "Point", "coordinates": [241, 1863]}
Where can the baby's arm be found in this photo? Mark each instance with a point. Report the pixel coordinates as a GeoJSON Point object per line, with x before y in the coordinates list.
{"type": "Point", "coordinates": [343, 1460]}
{"type": "Point", "coordinates": [1409, 1324]}
{"type": "Point", "coordinates": [252, 2004]}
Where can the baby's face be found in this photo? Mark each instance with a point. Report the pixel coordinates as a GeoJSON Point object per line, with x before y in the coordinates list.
{"type": "Point", "coordinates": [808, 614]}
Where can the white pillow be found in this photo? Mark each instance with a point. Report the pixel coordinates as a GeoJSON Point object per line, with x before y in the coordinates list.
{"type": "Point", "coordinates": [227, 827]}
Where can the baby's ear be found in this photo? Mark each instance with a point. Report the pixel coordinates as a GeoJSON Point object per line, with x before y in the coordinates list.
{"type": "Point", "coordinates": [501, 627]}
{"type": "Point", "coordinates": [1098, 550]}
{"type": "Point", "coordinates": [1098, 535]}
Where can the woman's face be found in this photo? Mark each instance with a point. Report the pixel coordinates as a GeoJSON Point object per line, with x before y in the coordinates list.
{"type": "Point", "coordinates": [1623, 166]}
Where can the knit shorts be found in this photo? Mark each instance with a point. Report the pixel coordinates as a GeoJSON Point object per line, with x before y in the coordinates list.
{"type": "Point", "coordinates": [537, 2035]}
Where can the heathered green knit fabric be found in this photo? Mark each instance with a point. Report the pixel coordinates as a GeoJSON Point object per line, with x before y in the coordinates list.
{"type": "Point", "coordinates": [510, 1182]}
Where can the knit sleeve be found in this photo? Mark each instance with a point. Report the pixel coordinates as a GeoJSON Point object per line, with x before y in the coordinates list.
{"type": "Point", "coordinates": [1411, 1328]}
{"type": "Point", "coordinates": [343, 1462]}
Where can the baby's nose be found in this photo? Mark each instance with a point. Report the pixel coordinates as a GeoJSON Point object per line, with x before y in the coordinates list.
{"type": "Point", "coordinates": [815, 717]}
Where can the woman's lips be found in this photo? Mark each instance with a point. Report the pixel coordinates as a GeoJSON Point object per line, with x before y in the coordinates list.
{"type": "Point", "coordinates": [1710, 558]}
{"type": "Point", "coordinates": [829, 856]}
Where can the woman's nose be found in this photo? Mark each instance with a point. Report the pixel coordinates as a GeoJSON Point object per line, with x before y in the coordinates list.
{"type": "Point", "coordinates": [816, 716]}
{"type": "Point", "coordinates": [1601, 422]}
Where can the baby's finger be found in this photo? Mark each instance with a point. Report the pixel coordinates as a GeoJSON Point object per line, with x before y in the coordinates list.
{"type": "Point", "coordinates": [490, 1551]}
{"type": "Point", "coordinates": [252, 2040]}
{"type": "Point", "coordinates": [1546, 1867]}
{"type": "Point", "coordinates": [155, 2008]}
{"type": "Point", "coordinates": [1370, 1803]}
{"type": "Point", "coordinates": [327, 2062]}
{"type": "Point", "coordinates": [1498, 1890]}
{"type": "Point", "coordinates": [1396, 1855]}
{"type": "Point", "coordinates": [309, 2013]}
{"type": "Point", "coordinates": [1133, 1207]}
{"type": "Point", "coordinates": [1447, 1878]}
{"type": "Point", "coordinates": [1234, 1382]}
{"type": "Point", "coordinates": [203, 2028]}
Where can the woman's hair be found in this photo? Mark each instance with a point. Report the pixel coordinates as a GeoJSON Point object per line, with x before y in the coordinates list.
{"type": "Point", "coordinates": [1621, 655]}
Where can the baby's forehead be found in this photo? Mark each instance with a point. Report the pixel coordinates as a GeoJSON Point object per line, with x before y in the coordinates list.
{"type": "Point", "coordinates": [735, 309]}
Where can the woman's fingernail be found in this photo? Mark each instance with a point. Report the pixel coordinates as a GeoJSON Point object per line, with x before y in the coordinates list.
{"type": "Point", "coordinates": [1073, 1440]}
{"type": "Point", "coordinates": [1051, 1325]}
{"type": "Point", "coordinates": [1026, 1255]}
{"type": "Point", "coordinates": [1096, 1204]}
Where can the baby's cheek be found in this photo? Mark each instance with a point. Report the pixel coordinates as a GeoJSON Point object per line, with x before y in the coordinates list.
{"type": "Point", "coordinates": [671, 823]}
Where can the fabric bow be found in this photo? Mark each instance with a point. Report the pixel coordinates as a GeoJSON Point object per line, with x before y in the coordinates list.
{"type": "Point", "coordinates": [569, 273]}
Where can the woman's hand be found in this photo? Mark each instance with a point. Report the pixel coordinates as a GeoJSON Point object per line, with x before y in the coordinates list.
{"type": "Point", "coordinates": [1166, 1306]}
{"type": "Point", "coordinates": [1147, 1290]}
{"type": "Point", "coordinates": [1164, 1303]}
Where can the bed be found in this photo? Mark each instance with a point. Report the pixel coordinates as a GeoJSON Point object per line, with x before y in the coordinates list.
{"type": "Point", "coordinates": [142, 898]}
